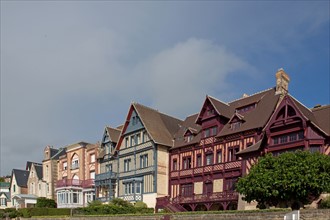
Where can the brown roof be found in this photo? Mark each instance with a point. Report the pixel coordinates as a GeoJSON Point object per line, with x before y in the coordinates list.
{"type": "Point", "coordinates": [322, 116]}
{"type": "Point", "coordinates": [188, 124]}
{"type": "Point", "coordinates": [250, 149]}
{"type": "Point", "coordinates": [160, 127]}
{"type": "Point", "coordinates": [257, 118]}
{"type": "Point", "coordinates": [221, 107]}
{"type": "Point", "coordinates": [114, 133]}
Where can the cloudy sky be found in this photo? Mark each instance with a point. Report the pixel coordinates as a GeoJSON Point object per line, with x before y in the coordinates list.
{"type": "Point", "coordinates": [68, 69]}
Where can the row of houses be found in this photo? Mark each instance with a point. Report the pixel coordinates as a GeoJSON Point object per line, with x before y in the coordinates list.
{"type": "Point", "coordinates": [181, 165]}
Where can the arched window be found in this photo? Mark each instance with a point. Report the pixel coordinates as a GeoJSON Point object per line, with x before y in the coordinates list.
{"type": "Point", "coordinates": [75, 162]}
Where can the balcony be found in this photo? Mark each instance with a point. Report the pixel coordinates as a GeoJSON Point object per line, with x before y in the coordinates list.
{"type": "Point", "coordinates": [105, 176]}
{"type": "Point", "coordinates": [75, 183]}
{"type": "Point", "coordinates": [209, 197]}
{"type": "Point", "coordinates": [221, 167]}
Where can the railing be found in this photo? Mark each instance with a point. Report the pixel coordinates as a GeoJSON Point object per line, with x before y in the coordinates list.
{"type": "Point", "coordinates": [77, 183]}
{"type": "Point", "coordinates": [74, 166]}
{"type": "Point", "coordinates": [105, 176]}
{"type": "Point", "coordinates": [133, 197]}
{"type": "Point", "coordinates": [90, 183]}
{"type": "Point", "coordinates": [208, 168]}
{"type": "Point", "coordinates": [209, 197]}
{"type": "Point", "coordinates": [162, 201]}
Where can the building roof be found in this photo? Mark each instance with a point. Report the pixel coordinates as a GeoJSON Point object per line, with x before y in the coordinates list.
{"type": "Point", "coordinates": [161, 127]}
{"type": "Point", "coordinates": [29, 164]}
{"type": "Point", "coordinates": [25, 196]}
{"type": "Point", "coordinates": [252, 148]}
{"type": "Point", "coordinates": [21, 177]}
{"type": "Point", "coordinates": [114, 133]}
{"type": "Point", "coordinates": [38, 171]}
{"type": "Point", "coordinates": [7, 194]}
{"type": "Point", "coordinates": [266, 103]}
{"type": "Point", "coordinates": [222, 108]}
{"type": "Point", "coordinates": [60, 152]}
{"type": "Point", "coordinates": [322, 116]}
{"type": "Point", "coordinates": [188, 124]}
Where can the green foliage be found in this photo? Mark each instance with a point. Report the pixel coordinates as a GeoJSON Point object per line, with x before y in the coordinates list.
{"type": "Point", "coordinates": [140, 204]}
{"type": "Point", "coordinates": [115, 207]}
{"type": "Point", "coordinates": [325, 203]}
{"type": "Point", "coordinates": [45, 203]}
{"type": "Point", "coordinates": [2, 179]}
{"type": "Point", "coordinates": [94, 203]}
{"type": "Point", "coordinates": [29, 212]}
{"type": "Point", "coordinates": [25, 212]}
{"type": "Point", "coordinates": [14, 214]}
{"type": "Point", "coordinates": [290, 179]}
{"type": "Point", "coordinates": [120, 202]}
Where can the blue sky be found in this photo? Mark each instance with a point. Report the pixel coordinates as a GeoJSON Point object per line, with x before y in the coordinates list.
{"type": "Point", "coordinates": [68, 69]}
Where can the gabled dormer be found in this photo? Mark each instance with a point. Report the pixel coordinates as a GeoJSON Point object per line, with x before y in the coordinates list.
{"type": "Point", "coordinates": [213, 116]}
{"type": "Point", "coordinates": [189, 134]}
{"type": "Point", "coordinates": [236, 121]}
{"type": "Point", "coordinates": [134, 123]}
{"type": "Point", "coordinates": [108, 142]}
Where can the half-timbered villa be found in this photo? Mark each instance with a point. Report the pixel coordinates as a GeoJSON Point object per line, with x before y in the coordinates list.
{"type": "Point", "coordinates": [106, 180]}
{"type": "Point", "coordinates": [76, 173]}
{"type": "Point", "coordinates": [220, 144]}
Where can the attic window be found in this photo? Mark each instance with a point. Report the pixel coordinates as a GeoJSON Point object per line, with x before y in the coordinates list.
{"type": "Point", "coordinates": [246, 108]}
{"type": "Point", "coordinates": [210, 112]}
{"type": "Point", "coordinates": [236, 125]}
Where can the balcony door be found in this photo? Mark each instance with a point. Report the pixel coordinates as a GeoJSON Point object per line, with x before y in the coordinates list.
{"type": "Point", "coordinates": [208, 188]}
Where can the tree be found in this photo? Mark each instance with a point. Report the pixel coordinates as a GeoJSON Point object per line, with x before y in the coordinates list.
{"type": "Point", "coordinates": [291, 179]}
{"type": "Point", "coordinates": [2, 179]}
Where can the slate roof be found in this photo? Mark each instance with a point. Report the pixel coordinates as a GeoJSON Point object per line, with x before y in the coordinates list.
{"type": "Point", "coordinates": [7, 194]}
{"type": "Point", "coordinates": [222, 108]}
{"type": "Point", "coordinates": [29, 164]}
{"type": "Point", "coordinates": [60, 152]}
{"type": "Point", "coordinates": [38, 171]}
{"type": "Point", "coordinates": [21, 177]}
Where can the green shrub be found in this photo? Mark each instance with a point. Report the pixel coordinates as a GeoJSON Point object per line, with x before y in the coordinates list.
{"type": "Point", "coordinates": [120, 202]}
{"type": "Point", "coordinates": [94, 203]}
{"type": "Point", "coordinates": [43, 202]}
{"type": "Point", "coordinates": [140, 204]}
{"type": "Point", "coordinates": [2, 215]}
{"type": "Point", "coordinates": [325, 203]}
{"type": "Point", "coordinates": [9, 210]}
{"type": "Point", "coordinates": [25, 212]}
{"type": "Point", "coordinates": [14, 214]}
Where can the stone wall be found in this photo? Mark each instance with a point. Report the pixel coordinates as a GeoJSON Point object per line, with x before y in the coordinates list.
{"type": "Point", "coordinates": [311, 214]}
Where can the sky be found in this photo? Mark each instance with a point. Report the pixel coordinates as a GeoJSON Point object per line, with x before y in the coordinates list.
{"type": "Point", "coordinates": [70, 68]}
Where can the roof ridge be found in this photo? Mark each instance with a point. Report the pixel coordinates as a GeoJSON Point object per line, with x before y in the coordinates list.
{"type": "Point", "coordinates": [320, 108]}
{"type": "Point", "coordinates": [257, 93]}
{"type": "Point", "coordinates": [157, 111]}
{"type": "Point", "coordinates": [107, 126]}
{"type": "Point", "coordinates": [217, 99]}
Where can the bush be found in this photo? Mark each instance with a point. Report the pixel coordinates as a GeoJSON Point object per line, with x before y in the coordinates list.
{"type": "Point", "coordinates": [120, 202]}
{"type": "Point", "coordinates": [325, 203]}
{"type": "Point", "coordinates": [94, 203]}
{"type": "Point", "coordinates": [14, 214]}
{"type": "Point", "coordinates": [140, 204]}
{"type": "Point", "coordinates": [2, 215]}
{"type": "Point", "coordinates": [43, 202]}
{"type": "Point", "coordinates": [25, 212]}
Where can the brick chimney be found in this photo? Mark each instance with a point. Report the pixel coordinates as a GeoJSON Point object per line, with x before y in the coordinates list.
{"type": "Point", "coordinates": [282, 82]}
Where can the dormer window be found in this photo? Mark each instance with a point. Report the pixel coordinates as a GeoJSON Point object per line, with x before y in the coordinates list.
{"type": "Point", "coordinates": [246, 108]}
{"type": "Point", "coordinates": [236, 125]}
{"type": "Point", "coordinates": [210, 132]}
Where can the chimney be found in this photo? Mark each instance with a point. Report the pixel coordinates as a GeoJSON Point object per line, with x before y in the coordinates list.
{"type": "Point", "coordinates": [282, 82]}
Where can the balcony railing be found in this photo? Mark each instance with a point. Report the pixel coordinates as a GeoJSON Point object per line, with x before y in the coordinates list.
{"type": "Point", "coordinates": [209, 197]}
{"type": "Point", "coordinates": [75, 183]}
{"type": "Point", "coordinates": [105, 176]}
{"type": "Point", "coordinates": [208, 169]}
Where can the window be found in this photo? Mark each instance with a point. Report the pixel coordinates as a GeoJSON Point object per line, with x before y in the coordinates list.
{"type": "Point", "coordinates": [75, 162]}
{"type": "Point", "coordinates": [199, 160]}
{"type": "Point", "coordinates": [209, 159]}
{"type": "Point", "coordinates": [126, 142]}
{"type": "Point", "coordinates": [145, 137]}
{"type": "Point", "coordinates": [109, 167]}
{"type": "Point", "coordinates": [92, 158]}
{"type": "Point", "coordinates": [14, 188]}
{"type": "Point", "coordinates": [3, 202]}
{"type": "Point", "coordinates": [187, 189]}
{"type": "Point", "coordinates": [232, 153]}
{"type": "Point", "coordinates": [92, 174]}
{"type": "Point", "coordinates": [47, 187]}
{"type": "Point", "coordinates": [283, 139]}
{"type": "Point", "coordinates": [315, 148]}
{"type": "Point", "coordinates": [65, 166]}
{"type": "Point", "coordinates": [126, 165]}
{"type": "Point", "coordinates": [175, 164]}
{"type": "Point", "coordinates": [186, 162]}
{"type": "Point", "coordinates": [301, 135]}
{"type": "Point", "coordinates": [219, 156]}
{"type": "Point", "coordinates": [292, 137]}
{"type": "Point", "coordinates": [288, 137]}
{"type": "Point", "coordinates": [138, 187]}
{"type": "Point", "coordinates": [144, 161]}
{"type": "Point", "coordinates": [132, 187]}
{"type": "Point", "coordinates": [138, 138]}
{"type": "Point", "coordinates": [75, 197]}
{"type": "Point", "coordinates": [46, 171]}
{"type": "Point", "coordinates": [208, 188]}
{"type": "Point", "coordinates": [132, 140]}
{"type": "Point", "coordinates": [230, 184]}
{"type": "Point", "coordinates": [214, 131]}
{"type": "Point", "coordinates": [236, 125]}
{"type": "Point", "coordinates": [206, 133]}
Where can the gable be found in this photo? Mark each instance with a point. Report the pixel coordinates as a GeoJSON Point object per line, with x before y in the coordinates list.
{"type": "Point", "coordinates": [134, 123]}
{"type": "Point", "coordinates": [208, 111]}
